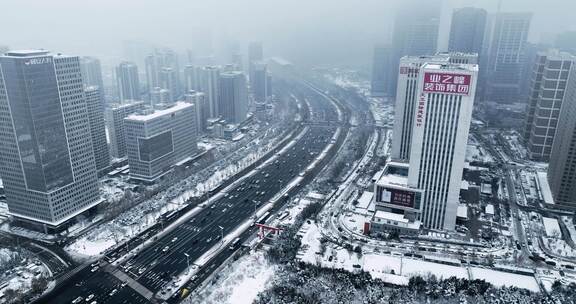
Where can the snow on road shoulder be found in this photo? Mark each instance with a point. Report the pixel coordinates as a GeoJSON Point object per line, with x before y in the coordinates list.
{"type": "Point", "coordinates": [239, 283]}
{"type": "Point", "coordinates": [500, 278]}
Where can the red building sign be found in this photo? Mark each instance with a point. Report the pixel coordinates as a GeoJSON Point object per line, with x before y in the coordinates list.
{"type": "Point", "coordinates": [447, 83]}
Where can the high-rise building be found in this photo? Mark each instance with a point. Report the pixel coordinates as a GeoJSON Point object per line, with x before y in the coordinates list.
{"type": "Point", "coordinates": [128, 83]}
{"type": "Point", "coordinates": [92, 74]}
{"type": "Point", "coordinates": [259, 80]}
{"type": "Point", "coordinates": [97, 128]}
{"type": "Point", "coordinates": [467, 30]}
{"type": "Point", "coordinates": [158, 140]}
{"type": "Point", "coordinates": [114, 117]}
{"type": "Point", "coordinates": [562, 165]}
{"type": "Point", "coordinates": [191, 78]}
{"type": "Point", "coordinates": [152, 72]}
{"type": "Point", "coordinates": [415, 31]}
{"type": "Point", "coordinates": [232, 97]}
{"type": "Point", "coordinates": [382, 79]}
{"type": "Point", "coordinates": [169, 81]}
{"type": "Point", "coordinates": [566, 41]}
{"type": "Point", "coordinates": [255, 53]}
{"type": "Point", "coordinates": [407, 96]}
{"type": "Point", "coordinates": [198, 99]}
{"type": "Point", "coordinates": [209, 78]}
{"type": "Point", "coordinates": [46, 159]}
{"type": "Point", "coordinates": [506, 42]}
{"type": "Point", "coordinates": [547, 94]}
{"type": "Point", "coordinates": [159, 96]}
{"type": "Point", "coordinates": [4, 49]}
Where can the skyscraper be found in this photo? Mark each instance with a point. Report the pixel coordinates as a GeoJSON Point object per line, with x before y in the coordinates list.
{"type": "Point", "coordinates": [152, 72]}
{"type": "Point", "coordinates": [255, 53]}
{"type": "Point", "coordinates": [209, 78]}
{"type": "Point", "coordinates": [97, 128]}
{"type": "Point", "coordinates": [506, 36]}
{"type": "Point", "coordinates": [415, 31]}
{"type": "Point", "coordinates": [128, 83]}
{"type": "Point", "coordinates": [114, 117]}
{"type": "Point", "coordinates": [406, 101]}
{"type": "Point", "coordinates": [467, 30]}
{"type": "Point", "coordinates": [259, 80]}
{"type": "Point", "coordinates": [439, 139]}
{"type": "Point", "coordinates": [547, 94]}
{"type": "Point", "coordinates": [198, 99]}
{"type": "Point", "coordinates": [169, 81]}
{"type": "Point", "coordinates": [191, 78]}
{"type": "Point", "coordinates": [232, 97]}
{"type": "Point", "coordinates": [155, 65]}
{"type": "Point", "coordinates": [46, 159]}
{"type": "Point", "coordinates": [382, 67]}
{"type": "Point", "coordinates": [92, 74]}
{"type": "Point", "coordinates": [562, 166]}
{"type": "Point", "coordinates": [160, 139]}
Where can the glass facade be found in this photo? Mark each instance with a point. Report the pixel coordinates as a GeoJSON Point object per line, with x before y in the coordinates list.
{"type": "Point", "coordinates": [34, 100]}
{"type": "Point", "coordinates": [156, 146]}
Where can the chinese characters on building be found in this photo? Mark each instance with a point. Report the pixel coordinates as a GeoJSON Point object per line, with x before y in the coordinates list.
{"type": "Point", "coordinates": [447, 83]}
{"type": "Point", "coordinates": [420, 110]}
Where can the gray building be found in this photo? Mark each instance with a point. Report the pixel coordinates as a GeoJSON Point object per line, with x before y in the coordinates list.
{"type": "Point", "coordinates": [382, 65]}
{"type": "Point", "coordinates": [232, 97]}
{"type": "Point", "coordinates": [46, 159]}
{"type": "Point", "coordinates": [127, 81]}
{"type": "Point", "coordinates": [467, 30]}
{"type": "Point", "coordinates": [259, 81]}
{"type": "Point", "coordinates": [191, 78]}
{"type": "Point", "coordinates": [158, 140]}
{"type": "Point", "coordinates": [209, 77]}
{"type": "Point", "coordinates": [92, 74]}
{"type": "Point", "coordinates": [169, 82]}
{"type": "Point", "coordinates": [159, 96]}
{"type": "Point", "coordinates": [255, 53]}
{"type": "Point", "coordinates": [114, 116]}
{"type": "Point", "coordinates": [198, 99]}
{"type": "Point", "coordinates": [97, 128]}
{"type": "Point", "coordinates": [547, 94]}
{"type": "Point", "coordinates": [562, 165]}
{"type": "Point", "coordinates": [506, 42]}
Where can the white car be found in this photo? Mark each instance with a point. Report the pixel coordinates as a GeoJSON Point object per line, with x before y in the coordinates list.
{"type": "Point", "coordinates": [90, 297]}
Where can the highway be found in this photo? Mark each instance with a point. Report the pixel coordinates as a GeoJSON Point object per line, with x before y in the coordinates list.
{"type": "Point", "coordinates": [140, 277]}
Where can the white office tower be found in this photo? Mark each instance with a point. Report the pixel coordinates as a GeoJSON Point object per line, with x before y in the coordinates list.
{"type": "Point", "coordinates": [158, 140]}
{"type": "Point", "coordinates": [114, 116]}
{"type": "Point", "coordinates": [46, 159]}
{"type": "Point", "coordinates": [258, 82]}
{"type": "Point", "coordinates": [233, 97]}
{"type": "Point", "coordinates": [198, 99]}
{"type": "Point", "coordinates": [407, 97]}
{"type": "Point", "coordinates": [439, 139]}
{"type": "Point", "coordinates": [97, 128]}
{"type": "Point", "coordinates": [209, 77]}
{"type": "Point", "coordinates": [127, 80]}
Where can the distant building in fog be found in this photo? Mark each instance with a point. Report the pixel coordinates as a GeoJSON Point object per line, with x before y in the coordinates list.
{"type": "Point", "coordinates": [467, 30]}
{"type": "Point", "coordinates": [128, 82]}
{"type": "Point", "coordinates": [232, 97]}
{"type": "Point", "coordinates": [92, 74]}
{"type": "Point", "coordinates": [382, 66]}
{"type": "Point", "coordinates": [97, 128]}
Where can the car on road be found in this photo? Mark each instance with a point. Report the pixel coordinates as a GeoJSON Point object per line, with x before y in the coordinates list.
{"type": "Point", "coordinates": [174, 239]}
{"type": "Point", "coordinates": [208, 240]}
{"type": "Point", "coordinates": [113, 292]}
{"type": "Point", "coordinates": [124, 283]}
{"type": "Point", "coordinates": [90, 297]}
{"type": "Point", "coordinates": [77, 300]}
{"type": "Point", "coordinates": [166, 249]}
{"type": "Point", "coordinates": [94, 269]}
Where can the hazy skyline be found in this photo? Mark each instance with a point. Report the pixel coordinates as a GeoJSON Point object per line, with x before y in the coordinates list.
{"type": "Point", "coordinates": [346, 28]}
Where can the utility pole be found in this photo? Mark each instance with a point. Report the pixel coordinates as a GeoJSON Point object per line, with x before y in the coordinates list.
{"type": "Point", "coordinates": [187, 261]}
{"type": "Point", "coordinates": [221, 233]}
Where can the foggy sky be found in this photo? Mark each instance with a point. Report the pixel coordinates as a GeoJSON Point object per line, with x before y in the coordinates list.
{"type": "Point", "coordinates": [319, 30]}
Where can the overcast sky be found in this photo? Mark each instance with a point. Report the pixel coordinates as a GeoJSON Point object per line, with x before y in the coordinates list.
{"type": "Point", "coordinates": [344, 28]}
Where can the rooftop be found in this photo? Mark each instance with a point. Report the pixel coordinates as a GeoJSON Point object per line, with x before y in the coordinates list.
{"type": "Point", "coordinates": [451, 67]}
{"type": "Point", "coordinates": [159, 113]}
{"type": "Point", "coordinates": [26, 53]}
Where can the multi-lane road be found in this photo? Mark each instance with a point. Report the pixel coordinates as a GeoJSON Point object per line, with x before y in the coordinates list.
{"type": "Point", "coordinates": [139, 278]}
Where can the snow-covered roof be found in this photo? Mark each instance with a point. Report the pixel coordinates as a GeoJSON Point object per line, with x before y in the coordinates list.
{"type": "Point", "coordinates": [464, 185]}
{"type": "Point", "coordinates": [315, 195]}
{"type": "Point", "coordinates": [462, 211]}
{"type": "Point", "coordinates": [365, 199]}
{"type": "Point", "coordinates": [159, 113]}
{"type": "Point", "coordinates": [489, 209]}
{"type": "Point", "coordinates": [544, 187]}
{"type": "Point", "coordinates": [551, 226]}
{"type": "Point", "coordinates": [486, 188]}
{"type": "Point", "coordinates": [390, 216]}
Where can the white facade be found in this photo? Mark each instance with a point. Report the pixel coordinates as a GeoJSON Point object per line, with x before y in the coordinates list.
{"type": "Point", "coordinates": [439, 138]}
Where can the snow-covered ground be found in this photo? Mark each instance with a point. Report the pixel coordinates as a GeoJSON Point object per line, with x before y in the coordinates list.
{"type": "Point", "coordinates": [238, 283]}
{"type": "Point", "coordinates": [17, 270]}
{"type": "Point", "coordinates": [395, 268]}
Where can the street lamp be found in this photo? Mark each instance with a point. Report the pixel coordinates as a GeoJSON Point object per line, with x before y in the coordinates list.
{"type": "Point", "coordinates": [221, 233]}
{"type": "Point", "coordinates": [187, 261]}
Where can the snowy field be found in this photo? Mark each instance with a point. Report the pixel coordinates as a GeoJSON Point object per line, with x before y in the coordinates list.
{"type": "Point", "coordinates": [239, 283]}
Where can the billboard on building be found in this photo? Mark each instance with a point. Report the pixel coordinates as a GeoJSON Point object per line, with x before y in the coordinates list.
{"type": "Point", "coordinates": [399, 197]}
{"type": "Point", "coordinates": [447, 83]}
